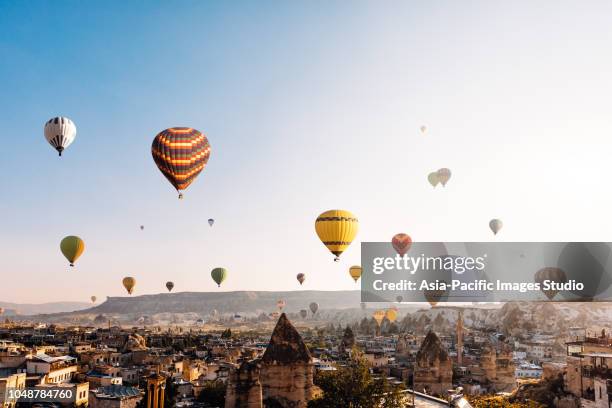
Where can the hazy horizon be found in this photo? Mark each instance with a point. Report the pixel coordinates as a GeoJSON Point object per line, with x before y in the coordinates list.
{"type": "Point", "coordinates": [307, 108]}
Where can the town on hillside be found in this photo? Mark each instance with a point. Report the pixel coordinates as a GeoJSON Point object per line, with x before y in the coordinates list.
{"type": "Point", "coordinates": [445, 356]}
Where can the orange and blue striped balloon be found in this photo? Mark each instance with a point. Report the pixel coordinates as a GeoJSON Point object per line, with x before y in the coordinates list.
{"type": "Point", "coordinates": [180, 153]}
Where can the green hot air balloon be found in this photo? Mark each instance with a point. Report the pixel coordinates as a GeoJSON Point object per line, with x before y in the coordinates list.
{"type": "Point", "coordinates": [219, 275]}
{"type": "Point", "coordinates": [72, 247]}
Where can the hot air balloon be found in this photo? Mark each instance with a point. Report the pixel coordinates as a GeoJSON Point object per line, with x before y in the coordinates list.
{"type": "Point", "coordinates": [402, 243]}
{"type": "Point", "coordinates": [280, 304]}
{"type": "Point", "coordinates": [433, 178]}
{"type": "Point", "coordinates": [142, 227]}
{"type": "Point", "coordinates": [556, 275]}
{"type": "Point", "coordinates": [129, 283]}
{"type": "Point", "coordinates": [391, 315]}
{"type": "Point", "coordinates": [169, 286]}
{"type": "Point", "coordinates": [495, 225]}
{"type": "Point", "coordinates": [423, 129]}
{"type": "Point", "coordinates": [60, 133]}
{"type": "Point", "coordinates": [93, 299]}
{"type": "Point", "coordinates": [180, 153]}
{"type": "Point", "coordinates": [72, 247]}
{"type": "Point", "coordinates": [219, 275]}
{"type": "Point", "coordinates": [211, 222]}
{"type": "Point", "coordinates": [303, 313]}
{"type": "Point", "coordinates": [399, 299]}
{"type": "Point", "coordinates": [314, 306]}
{"type": "Point", "coordinates": [355, 272]}
{"type": "Point", "coordinates": [378, 315]}
{"type": "Point", "coordinates": [434, 296]}
{"type": "Point", "coordinates": [301, 277]}
{"type": "Point", "coordinates": [444, 175]}
{"type": "Point", "coordinates": [337, 229]}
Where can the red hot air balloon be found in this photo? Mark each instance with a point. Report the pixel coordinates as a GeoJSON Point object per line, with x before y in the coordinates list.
{"type": "Point", "coordinates": [180, 153]}
{"type": "Point", "coordinates": [402, 243]}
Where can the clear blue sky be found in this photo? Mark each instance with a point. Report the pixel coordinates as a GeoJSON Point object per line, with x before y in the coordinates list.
{"type": "Point", "coordinates": [308, 106]}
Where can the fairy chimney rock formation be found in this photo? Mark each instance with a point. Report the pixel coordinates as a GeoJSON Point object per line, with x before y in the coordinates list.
{"type": "Point", "coordinates": [283, 377]}
{"type": "Point", "coordinates": [433, 368]}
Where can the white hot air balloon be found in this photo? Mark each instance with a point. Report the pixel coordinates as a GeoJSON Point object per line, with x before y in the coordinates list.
{"type": "Point", "coordinates": [60, 133]}
{"type": "Point", "coordinates": [495, 225]}
{"type": "Point", "coordinates": [211, 222]}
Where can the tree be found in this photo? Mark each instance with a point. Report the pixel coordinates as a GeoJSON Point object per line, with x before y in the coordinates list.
{"type": "Point", "coordinates": [227, 334]}
{"type": "Point", "coordinates": [213, 393]}
{"type": "Point", "coordinates": [353, 386]}
{"type": "Point", "coordinates": [500, 402]}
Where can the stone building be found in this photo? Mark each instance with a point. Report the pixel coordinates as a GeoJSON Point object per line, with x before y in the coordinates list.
{"type": "Point", "coordinates": [498, 369]}
{"type": "Point", "coordinates": [433, 367]}
{"type": "Point", "coordinates": [283, 377]}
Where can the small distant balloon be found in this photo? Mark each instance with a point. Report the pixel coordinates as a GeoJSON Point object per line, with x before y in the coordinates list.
{"type": "Point", "coordinates": [391, 315]}
{"type": "Point", "coordinates": [402, 243]}
{"type": "Point", "coordinates": [496, 225]}
{"type": "Point", "coordinates": [556, 275]}
{"type": "Point", "coordinates": [301, 277]}
{"type": "Point", "coordinates": [303, 313]}
{"type": "Point", "coordinates": [129, 283]}
{"type": "Point", "coordinates": [211, 222]}
{"type": "Point", "coordinates": [355, 272]}
{"type": "Point", "coordinates": [314, 306]}
{"type": "Point", "coordinates": [169, 286]}
{"type": "Point", "coordinates": [72, 247]}
{"type": "Point", "coordinates": [93, 299]}
{"type": "Point", "coordinates": [423, 129]}
{"type": "Point", "coordinates": [399, 298]}
{"type": "Point", "coordinates": [444, 175]}
{"type": "Point", "coordinates": [378, 315]}
{"type": "Point", "coordinates": [218, 275]}
{"type": "Point", "coordinates": [280, 304]}
{"type": "Point", "coordinates": [142, 227]}
{"type": "Point", "coordinates": [433, 178]}
{"type": "Point", "coordinates": [60, 132]}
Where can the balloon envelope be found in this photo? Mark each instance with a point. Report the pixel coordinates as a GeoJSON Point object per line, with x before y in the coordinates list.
{"type": "Point", "coordinates": [169, 286]}
{"type": "Point", "coordinates": [129, 283]}
{"type": "Point", "coordinates": [314, 306]}
{"type": "Point", "coordinates": [355, 272]}
{"type": "Point", "coordinates": [300, 277]}
{"type": "Point", "coordinates": [180, 153]}
{"type": "Point", "coordinates": [423, 129]}
{"type": "Point", "coordinates": [72, 247]}
{"type": "Point", "coordinates": [444, 175]}
{"type": "Point", "coordinates": [495, 225]}
{"type": "Point", "coordinates": [556, 275]}
{"type": "Point", "coordinates": [391, 315]}
{"type": "Point", "coordinates": [280, 304]}
{"type": "Point", "coordinates": [402, 243]}
{"type": "Point", "coordinates": [211, 222]}
{"type": "Point", "coordinates": [433, 178]}
{"type": "Point", "coordinates": [218, 275]}
{"type": "Point", "coordinates": [93, 299]}
{"type": "Point", "coordinates": [378, 315]}
{"type": "Point", "coordinates": [337, 229]}
{"type": "Point", "coordinates": [60, 132]}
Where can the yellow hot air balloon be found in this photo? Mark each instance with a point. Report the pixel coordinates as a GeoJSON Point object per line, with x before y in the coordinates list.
{"type": "Point", "coordinates": [337, 229]}
{"type": "Point", "coordinates": [378, 315]}
{"type": "Point", "coordinates": [129, 283]}
{"type": "Point", "coordinates": [391, 315]}
{"type": "Point", "coordinates": [72, 247]}
{"type": "Point", "coordinates": [355, 272]}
